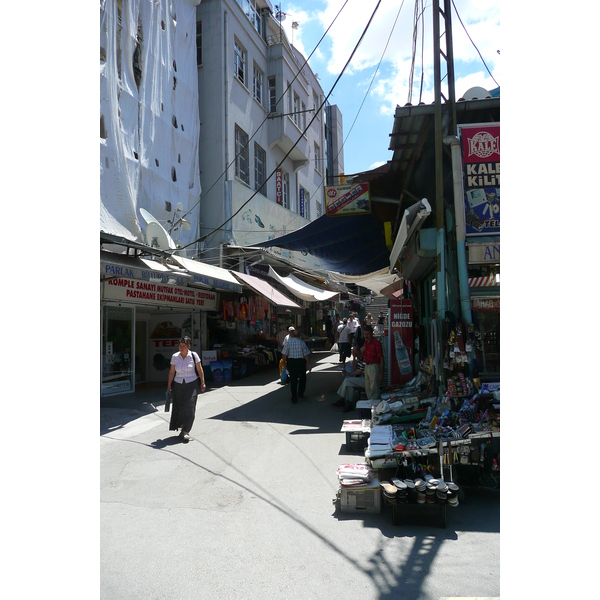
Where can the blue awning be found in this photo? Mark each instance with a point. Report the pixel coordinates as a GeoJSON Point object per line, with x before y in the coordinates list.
{"type": "Point", "coordinates": [351, 244]}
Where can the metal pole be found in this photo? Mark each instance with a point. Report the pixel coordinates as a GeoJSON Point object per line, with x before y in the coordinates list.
{"type": "Point", "coordinates": [440, 280]}
{"type": "Point", "coordinates": [459, 215]}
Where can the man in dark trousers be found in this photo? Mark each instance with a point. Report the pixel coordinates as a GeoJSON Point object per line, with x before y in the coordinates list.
{"type": "Point", "coordinates": [296, 361]}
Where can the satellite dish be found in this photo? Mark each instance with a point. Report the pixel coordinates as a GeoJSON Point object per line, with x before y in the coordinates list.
{"type": "Point", "coordinates": [157, 237]}
{"type": "Point", "coordinates": [476, 93]}
{"type": "Point", "coordinates": [185, 224]}
{"type": "Point", "coordinates": [280, 16]}
{"type": "Point", "coordinates": [147, 216]}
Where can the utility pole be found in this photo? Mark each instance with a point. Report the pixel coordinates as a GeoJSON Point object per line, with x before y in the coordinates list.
{"type": "Point", "coordinates": [450, 104]}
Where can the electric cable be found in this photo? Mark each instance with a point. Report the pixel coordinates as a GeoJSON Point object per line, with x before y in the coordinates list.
{"type": "Point", "coordinates": [205, 236]}
{"type": "Point", "coordinates": [474, 46]}
{"type": "Point", "coordinates": [368, 89]}
{"type": "Point", "coordinates": [265, 119]}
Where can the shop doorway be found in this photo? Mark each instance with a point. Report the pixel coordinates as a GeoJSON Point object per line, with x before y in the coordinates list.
{"type": "Point", "coordinates": [141, 351]}
{"type": "Point", "coordinates": [117, 345]}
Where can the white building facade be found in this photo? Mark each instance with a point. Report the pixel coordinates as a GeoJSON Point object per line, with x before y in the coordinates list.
{"type": "Point", "coordinates": [262, 145]}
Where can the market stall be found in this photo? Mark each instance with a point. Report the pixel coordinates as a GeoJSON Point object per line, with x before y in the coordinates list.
{"type": "Point", "coordinates": [422, 450]}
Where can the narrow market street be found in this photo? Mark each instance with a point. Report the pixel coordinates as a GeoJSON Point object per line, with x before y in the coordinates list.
{"type": "Point", "coordinates": [244, 510]}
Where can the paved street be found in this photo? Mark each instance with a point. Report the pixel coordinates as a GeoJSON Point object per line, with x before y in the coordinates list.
{"type": "Point", "coordinates": [244, 510]}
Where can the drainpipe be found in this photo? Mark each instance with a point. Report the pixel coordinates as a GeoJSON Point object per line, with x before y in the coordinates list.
{"type": "Point", "coordinates": [226, 102]}
{"type": "Point", "coordinates": [459, 215]}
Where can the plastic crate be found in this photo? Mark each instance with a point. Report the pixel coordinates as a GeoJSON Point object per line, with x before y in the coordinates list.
{"type": "Point", "coordinates": [361, 499]}
{"type": "Point", "coordinates": [357, 440]}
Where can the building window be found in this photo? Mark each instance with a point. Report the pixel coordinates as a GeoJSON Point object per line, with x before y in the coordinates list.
{"type": "Point", "coordinates": [290, 107]}
{"type": "Point", "coordinates": [242, 157]}
{"type": "Point", "coordinates": [260, 168]}
{"type": "Point", "coordinates": [272, 95]}
{"type": "Point", "coordinates": [319, 209]}
{"type": "Point", "coordinates": [239, 62]}
{"type": "Point", "coordinates": [297, 109]}
{"type": "Point", "coordinates": [258, 84]}
{"type": "Point", "coordinates": [198, 43]}
{"type": "Point", "coordinates": [285, 189]}
{"type": "Point", "coordinates": [316, 104]}
{"type": "Point", "coordinates": [303, 116]}
{"type": "Point", "coordinates": [317, 158]}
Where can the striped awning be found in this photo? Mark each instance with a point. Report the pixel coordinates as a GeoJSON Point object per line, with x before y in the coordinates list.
{"type": "Point", "coordinates": [487, 281]}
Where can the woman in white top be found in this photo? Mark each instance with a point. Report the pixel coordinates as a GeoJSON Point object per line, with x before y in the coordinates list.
{"type": "Point", "coordinates": [183, 376]}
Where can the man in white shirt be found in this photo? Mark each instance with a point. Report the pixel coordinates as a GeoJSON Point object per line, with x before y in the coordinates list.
{"type": "Point", "coordinates": [296, 361]}
{"type": "Point", "coordinates": [344, 341]}
{"type": "Point", "coordinates": [352, 324]}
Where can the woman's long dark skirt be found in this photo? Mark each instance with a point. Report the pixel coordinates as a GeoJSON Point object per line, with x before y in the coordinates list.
{"type": "Point", "coordinates": [183, 409]}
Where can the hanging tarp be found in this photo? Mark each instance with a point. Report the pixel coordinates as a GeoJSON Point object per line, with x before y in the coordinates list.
{"type": "Point", "coordinates": [352, 245]}
{"type": "Point", "coordinates": [375, 281]}
{"type": "Point", "coordinates": [302, 289]}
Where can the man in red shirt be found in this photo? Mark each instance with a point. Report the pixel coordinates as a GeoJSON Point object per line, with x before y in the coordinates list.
{"type": "Point", "coordinates": [372, 354]}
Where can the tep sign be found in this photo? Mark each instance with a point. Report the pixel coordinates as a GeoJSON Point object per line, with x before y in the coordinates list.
{"type": "Point", "coordinates": [347, 199]}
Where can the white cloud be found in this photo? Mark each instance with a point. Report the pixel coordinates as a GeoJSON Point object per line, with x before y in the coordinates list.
{"type": "Point", "coordinates": [480, 17]}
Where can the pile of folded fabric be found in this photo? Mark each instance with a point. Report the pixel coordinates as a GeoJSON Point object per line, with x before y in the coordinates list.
{"type": "Point", "coordinates": [380, 441]}
{"type": "Point", "coordinates": [354, 475]}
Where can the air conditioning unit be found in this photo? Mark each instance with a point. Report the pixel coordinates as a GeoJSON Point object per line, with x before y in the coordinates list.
{"type": "Point", "coordinates": [419, 255]}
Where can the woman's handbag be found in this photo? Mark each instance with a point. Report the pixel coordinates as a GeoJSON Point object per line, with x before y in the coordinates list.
{"type": "Point", "coordinates": [194, 355]}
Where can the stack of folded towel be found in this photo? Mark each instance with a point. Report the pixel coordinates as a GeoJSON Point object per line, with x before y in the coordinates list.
{"type": "Point", "coordinates": [380, 441]}
{"type": "Point", "coordinates": [354, 475]}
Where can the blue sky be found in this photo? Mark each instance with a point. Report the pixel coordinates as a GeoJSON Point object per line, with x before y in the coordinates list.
{"type": "Point", "coordinates": [367, 129]}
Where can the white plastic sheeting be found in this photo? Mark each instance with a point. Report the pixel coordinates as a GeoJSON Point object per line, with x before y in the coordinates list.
{"type": "Point", "coordinates": [149, 116]}
{"type": "Point", "coordinates": [302, 289]}
{"type": "Point", "coordinates": [375, 281]}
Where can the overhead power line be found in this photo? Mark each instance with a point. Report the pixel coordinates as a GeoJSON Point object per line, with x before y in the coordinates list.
{"type": "Point", "coordinates": [205, 236]}
{"type": "Point", "coordinates": [247, 145]}
{"type": "Point", "coordinates": [474, 46]}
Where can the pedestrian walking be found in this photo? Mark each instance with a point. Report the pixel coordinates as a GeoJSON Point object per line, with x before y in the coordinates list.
{"type": "Point", "coordinates": [344, 346]}
{"type": "Point", "coordinates": [296, 361]}
{"type": "Point", "coordinates": [184, 376]}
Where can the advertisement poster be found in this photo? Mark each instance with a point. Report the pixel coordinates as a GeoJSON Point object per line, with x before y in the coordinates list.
{"type": "Point", "coordinates": [301, 200]}
{"type": "Point", "coordinates": [481, 168]}
{"type": "Point", "coordinates": [347, 199]}
{"type": "Point", "coordinates": [401, 351]}
{"type": "Point", "coordinates": [164, 340]}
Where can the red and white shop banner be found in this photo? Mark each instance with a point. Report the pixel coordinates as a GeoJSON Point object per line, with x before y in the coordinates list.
{"type": "Point", "coordinates": [347, 199]}
{"type": "Point", "coordinates": [481, 162]}
{"type": "Point", "coordinates": [158, 294]}
{"type": "Point", "coordinates": [485, 304]}
{"type": "Point", "coordinates": [400, 350]}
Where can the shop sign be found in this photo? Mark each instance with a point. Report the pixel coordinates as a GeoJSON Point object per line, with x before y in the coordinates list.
{"type": "Point", "coordinates": [279, 187]}
{"type": "Point", "coordinates": [401, 340]}
{"type": "Point", "coordinates": [481, 164]}
{"type": "Point", "coordinates": [347, 199]}
{"type": "Point", "coordinates": [485, 304]}
{"type": "Point", "coordinates": [143, 292]}
{"type": "Point", "coordinates": [301, 199]}
{"type": "Point", "coordinates": [484, 253]}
